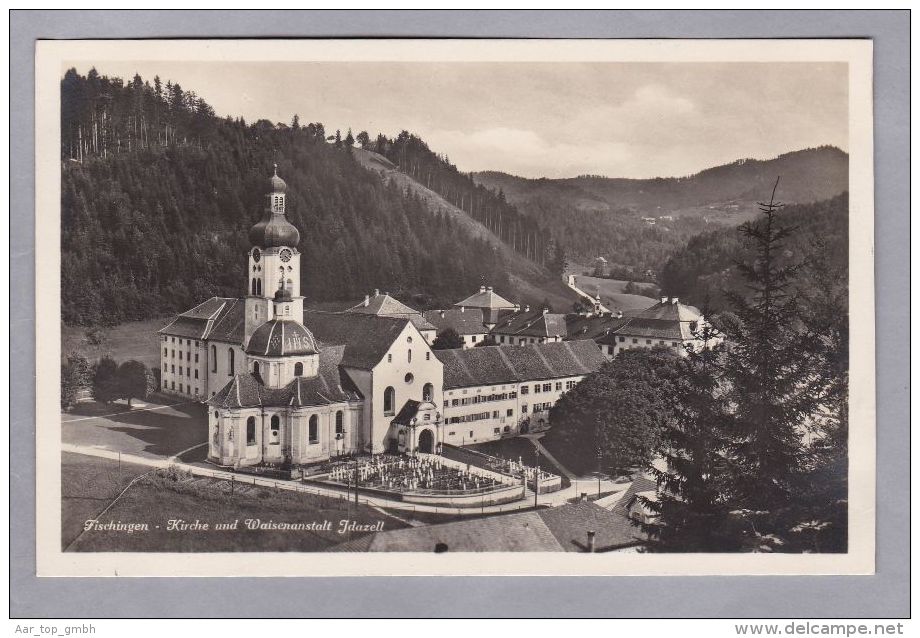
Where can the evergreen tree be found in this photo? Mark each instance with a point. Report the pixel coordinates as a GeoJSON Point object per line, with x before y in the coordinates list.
{"type": "Point", "coordinates": [349, 139]}
{"type": "Point", "coordinates": [447, 339]}
{"type": "Point", "coordinates": [768, 371]}
{"type": "Point", "coordinates": [105, 380]}
{"type": "Point", "coordinates": [692, 512]}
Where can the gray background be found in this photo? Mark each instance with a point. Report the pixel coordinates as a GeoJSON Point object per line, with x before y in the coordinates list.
{"type": "Point", "coordinates": [885, 594]}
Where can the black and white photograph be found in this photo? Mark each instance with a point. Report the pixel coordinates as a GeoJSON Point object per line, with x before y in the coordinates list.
{"type": "Point", "coordinates": [458, 307]}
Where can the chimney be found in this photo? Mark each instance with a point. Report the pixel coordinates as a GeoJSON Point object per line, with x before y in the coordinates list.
{"type": "Point", "coordinates": [367, 300]}
{"type": "Point", "coordinates": [674, 301]}
{"type": "Point", "coordinates": [664, 300]}
{"type": "Point", "coordinates": [376, 292]}
{"type": "Point", "coordinates": [591, 541]}
{"type": "Point", "coordinates": [482, 288]}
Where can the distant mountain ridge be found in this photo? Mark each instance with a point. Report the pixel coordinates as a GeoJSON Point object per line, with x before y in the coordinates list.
{"type": "Point", "coordinates": [808, 175]}
{"type": "Point", "coordinates": [637, 223]}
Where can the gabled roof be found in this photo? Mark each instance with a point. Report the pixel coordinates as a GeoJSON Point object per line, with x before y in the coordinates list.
{"type": "Point", "coordinates": [556, 529]}
{"type": "Point", "coordinates": [641, 483]}
{"type": "Point", "coordinates": [217, 319]}
{"type": "Point", "coordinates": [466, 321]}
{"type": "Point", "coordinates": [386, 306]}
{"type": "Point", "coordinates": [670, 310]}
{"type": "Point", "coordinates": [366, 338]}
{"type": "Point", "coordinates": [485, 298]}
{"type": "Point", "coordinates": [650, 329]}
{"type": "Point", "coordinates": [492, 365]}
{"type": "Point", "coordinates": [534, 323]}
{"type": "Point", "coordinates": [330, 385]}
{"type": "Point", "coordinates": [593, 327]}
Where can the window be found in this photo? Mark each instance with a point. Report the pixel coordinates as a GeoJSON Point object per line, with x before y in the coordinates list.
{"type": "Point", "coordinates": [536, 388]}
{"type": "Point", "coordinates": [473, 338]}
{"type": "Point", "coordinates": [427, 356]}
{"type": "Point", "coordinates": [494, 414]}
{"type": "Point", "coordinates": [314, 429]}
{"type": "Point", "coordinates": [275, 427]}
{"type": "Point", "coordinates": [609, 349]}
{"type": "Point", "coordinates": [173, 339]}
{"type": "Point", "coordinates": [410, 355]}
{"type": "Point", "coordinates": [547, 387]}
{"type": "Point", "coordinates": [389, 400]}
{"type": "Point", "coordinates": [255, 367]}
{"type": "Point", "coordinates": [446, 403]}
{"type": "Point", "coordinates": [196, 345]}
{"type": "Point", "coordinates": [661, 343]}
{"type": "Point", "coordinates": [213, 358]}
{"type": "Point", "coordinates": [389, 358]}
{"type": "Point", "coordinates": [339, 422]}
{"type": "Point", "coordinates": [180, 388]}
{"type": "Point", "coordinates": [165, 352]}
{"type": "Point", "coordinates": [231, 363]}
{"type": "Point", "coordinates": [558, 385]}
{"type": "Point", "coordinates": [524, 408]}
{"type": "Point", "coordinates": [172, 353]}
{"type": "Point", "coordinates": [648, 342]}
{"type": "Point", "coordinates": [455, 402]}
{"type": "Point", "coordinates": [622, 339]}
{"type": "Point", "coordinates": [172, 369]}
{"type": "Point", "coordinates": [253, 286]}
{"type": "Point", "coordinates": [427, 392]}
{"type": "Point", "coordinates": [471, 434]}
{"type": "Point", "coordinates": [196, 357]}
{"type": "Point", "coordinates": [298, 369]}
{"type": "Point", "coordinates": [180, 371]}
{"type": "Point", "coordinates": [510, 412]}
{"type": "Point", "coordinates": [216, 414]}
{"type": "Point", "coordinates": [496, 431]}
{"type": "Point", "coordinates": [635, 341]}
{"type": "Point", "coordinates": [258, 289]}
{"type": "Point", "coordinates": [409, 339]}
{"type": "Point", "coordinates": [251, 431]}
{"type": "Point", "coordinates": [409, 378]}
{"type": "Point", "coordinates": [188, 342]}
{"type": "Point", "coordinates": [196, 373]}
{"type": "Point", "coordinates": [674, 343]}
{"type": "Point", "coordinates": [525, 389]}
{"type": "Point", "coordinates": [173, 385]}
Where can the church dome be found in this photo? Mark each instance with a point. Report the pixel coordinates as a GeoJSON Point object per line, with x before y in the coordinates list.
{"type": "Point", "coordinates": [281, 338]}
{"type": "Point", "coordinates": [278, 185]}
{"type": "Point", "coordinates": [274, 230]}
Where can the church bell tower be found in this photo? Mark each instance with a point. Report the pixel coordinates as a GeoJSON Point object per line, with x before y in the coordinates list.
{"type": "Point", "coordinates": [274, 261]}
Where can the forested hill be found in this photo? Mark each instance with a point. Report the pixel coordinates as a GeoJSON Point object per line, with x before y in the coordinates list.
{"type": "Point", "coordinates": [706, 266]}
{"type": "Point", "coordinates": [635, 223]}
{"type": "Point", "coordinates": [158, 195]}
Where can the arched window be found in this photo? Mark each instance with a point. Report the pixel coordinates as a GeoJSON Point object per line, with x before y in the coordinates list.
{"type": "Point", "coordinates": [298, 369]}
{"type": "Point", "coordinates": [339, 422]}
{"type": "Point", "coordinates": [290, 286]}
{"type": "Point", "coordinates": [276, 423]}
{"type": "Point", "coordinates": [314, 429]}
{"type": "Point", "coordinates": [410, 355]}
{"type": "Point", "coordinates": [231, 362]}
{"type": "Point", "coordinates": [259, 287]}
{"type": "Point", "coordinates": [253, 286]}
{"type": "Point", "coordinates": [389, 401]}
{"type": "Point", "coordinates": [255, 368]}
{"type": "Point", "coordinates": [213, 358]}
{"type": "Point", "coordinates": [251, 431]}
{"type": "Point", "coordinates": [427, 392]}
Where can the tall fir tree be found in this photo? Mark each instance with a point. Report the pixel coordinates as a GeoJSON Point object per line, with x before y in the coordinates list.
{"type": "Point", "coordinates": [768, 370]}
{"type": "Point", "coordinates": [692, 511]}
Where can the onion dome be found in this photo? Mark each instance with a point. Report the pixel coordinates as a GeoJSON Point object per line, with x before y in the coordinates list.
{"type": "Point", "coordinates": [281, 338]}
{"type": "Point", "coordinates": [274, 229]}
{"type": "Point", "coordinates": [278, 185]}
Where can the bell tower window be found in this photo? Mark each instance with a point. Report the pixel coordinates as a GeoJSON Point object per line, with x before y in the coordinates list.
{"type": "Point", "coordinates": [277, 203]}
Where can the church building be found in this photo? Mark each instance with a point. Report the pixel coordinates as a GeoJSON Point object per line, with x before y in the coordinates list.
{"type": "Point", "coordinates": [284, 384]}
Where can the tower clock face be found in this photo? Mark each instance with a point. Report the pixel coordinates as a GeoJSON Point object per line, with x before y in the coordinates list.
{"type": "Point", "coordinates": [286, 255]}
{"type": "Point", "coordinates": [256, 255]}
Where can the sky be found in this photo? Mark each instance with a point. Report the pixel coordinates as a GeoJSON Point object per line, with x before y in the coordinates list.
{"type": "Point", "coordinates": [539, 119]}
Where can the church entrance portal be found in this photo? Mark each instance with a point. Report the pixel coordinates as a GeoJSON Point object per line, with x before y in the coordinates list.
{"type": "Point", "coordinates": [426, 442]}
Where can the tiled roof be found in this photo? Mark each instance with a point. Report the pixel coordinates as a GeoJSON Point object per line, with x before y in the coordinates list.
{"type": "Point", "coordinates": [533, 324]}
{"type": "Point", "coordinates": [581, 327]}
{"type": "Point", "coordinates": [556, 529]}
{"type": "Point", "coordinates": [330, 385]}
{"type": "Point", "coordinates": [386, 306]}
{"type": "Point", "coordinates": [467, 321]}
{"type": "Point", "coordinates": [218, 319]}
{"type": "Point", "coordinates": [485, 298]}
{"type": "Point", "coordinates": [491, 365]}
{"type": "Point", "coordinates": [366, 337]}
{"type": "Point", "coordinates": [650, 329]}
{"type": "Point", "coordinates": [671, 311]}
